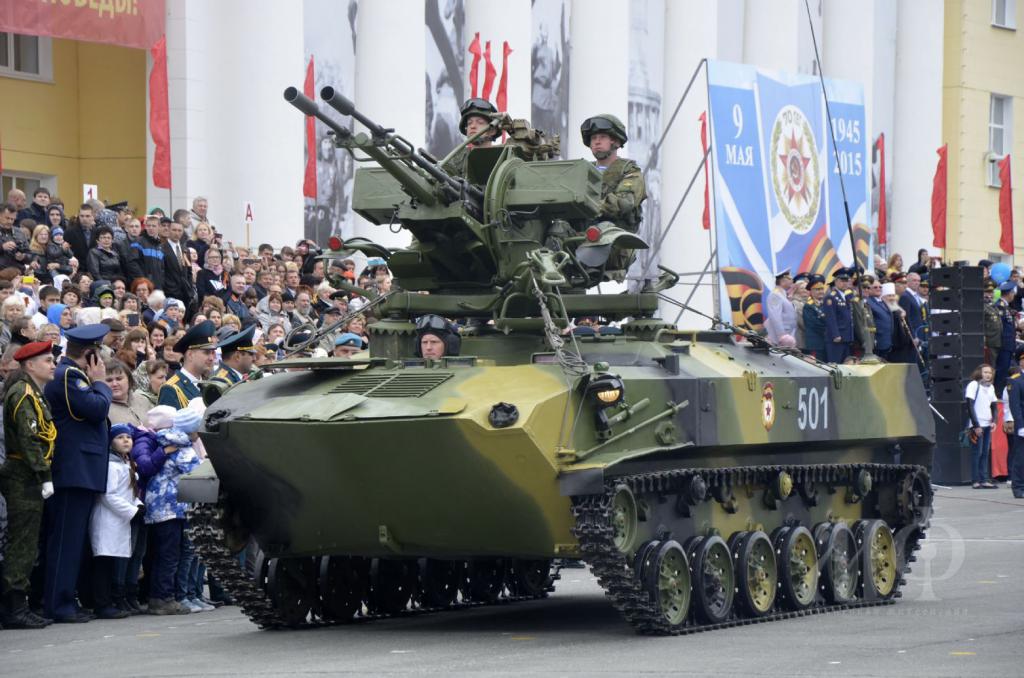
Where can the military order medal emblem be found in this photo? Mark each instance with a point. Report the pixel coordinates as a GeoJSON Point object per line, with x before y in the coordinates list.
{"type": "Point", "coordinates": [796, 175]}
{"type": "Point", "coordinates": [768, 406]}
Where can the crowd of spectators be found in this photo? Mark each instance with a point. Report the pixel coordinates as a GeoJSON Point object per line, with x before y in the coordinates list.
{"type": "Point", "coordinates": [890, 320]}
{"type": "Point", "coordinates": [150, 278]}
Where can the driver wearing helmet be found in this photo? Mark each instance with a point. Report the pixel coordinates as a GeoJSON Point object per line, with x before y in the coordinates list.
{"type": "Point", "coordinates": [476, 115]}
{"type": "Point", "coordinates": [622, 182]}
{"type": "Point", "coordinates": [436, 338]}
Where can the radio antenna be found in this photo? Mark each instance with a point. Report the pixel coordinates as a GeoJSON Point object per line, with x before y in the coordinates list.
{"type": "Point", "coordinates": [832, 133]}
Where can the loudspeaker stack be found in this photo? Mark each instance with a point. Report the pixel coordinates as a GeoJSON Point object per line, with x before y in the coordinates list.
{"type": "Point", "coordinates": [955, 348]}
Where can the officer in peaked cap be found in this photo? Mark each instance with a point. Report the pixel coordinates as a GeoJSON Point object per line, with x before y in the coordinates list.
{"type": "Point", "coordinates": [838, 319]}
{"type": "Point", "coordinates": [814, 317]}
{"type": "Point", "coordinates": [237, 354]}
{"type": "Point", "coordinates": [198, 350]}
{"type": "Point", "coordinates": [80, 401]}
{"type": "Point", "coordinates": [1008, 334]}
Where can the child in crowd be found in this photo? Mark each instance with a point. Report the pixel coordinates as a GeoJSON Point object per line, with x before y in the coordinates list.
{"type": "Point", "coordinates": [165, 455]}
{"type": "Point", "coordinates": [110, 526]}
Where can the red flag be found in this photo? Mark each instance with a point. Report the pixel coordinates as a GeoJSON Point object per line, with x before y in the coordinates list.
{"type": "Point", "coordinates": [159, 118]}
{"type": "Point", "coordinates": [474, 70]}
{"type": "Point", "coordinates": [883, 216]}
{"type": "Point", "coordinates": [502, 98]}
{"type": "Point", "coordinates": [706, 218]}
{"type": "Point", "coordinates": [489, 73]}
{"type": "Point", "coordinates": [939, 200]}
{"type": "Point", "coordinates": [1005, 207]}
{"type": "Point", "coordinates": [309, 182]}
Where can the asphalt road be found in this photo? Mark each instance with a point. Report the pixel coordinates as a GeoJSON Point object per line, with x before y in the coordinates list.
{"type": "Point", "coordinates": [962, 615]}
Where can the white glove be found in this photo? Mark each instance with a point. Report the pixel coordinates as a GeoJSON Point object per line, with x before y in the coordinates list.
{"type": "Point", "coordinates": [47, 490]}
{"type": "Point", "coordinates": [1020, 431]}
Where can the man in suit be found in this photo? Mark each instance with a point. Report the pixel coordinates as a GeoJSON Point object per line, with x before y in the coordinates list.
{"type": "Point", "coordinates": [80, 401]}
{"type": "Point", "coordinates": [882, 316]}
{"type": "Point", "coordinates": [198, 350]}
{"type": "Point", "coordinates": [910, 301]}
{"type": "Point", "coordinates": [178, 281]}
{"type": "Point", "coordinates": [78, 234]}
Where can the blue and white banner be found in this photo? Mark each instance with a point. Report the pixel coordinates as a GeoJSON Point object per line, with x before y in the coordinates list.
{"type": "Point", "coordinates": [778, 200]}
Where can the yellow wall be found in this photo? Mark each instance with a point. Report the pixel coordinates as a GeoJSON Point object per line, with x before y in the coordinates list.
{"type": "Point", "coordinates": [87, 126]}
{"type": "Point", "coordinates": [980, 60]}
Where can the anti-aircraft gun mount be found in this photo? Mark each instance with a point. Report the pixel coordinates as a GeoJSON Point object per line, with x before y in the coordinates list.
{"type": "Point", "coordinates": [518, 215]}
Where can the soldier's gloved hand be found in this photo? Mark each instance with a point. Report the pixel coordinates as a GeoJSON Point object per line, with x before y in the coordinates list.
{"type": "Point", "coordinates": [47, 490]}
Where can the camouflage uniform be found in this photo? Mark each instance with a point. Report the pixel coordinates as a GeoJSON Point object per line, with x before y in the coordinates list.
{"type": "Point", "coordinates": [455, 165]}
{"type": "Point", "coordinates": [623, 191]}
{"type": "Point", "coordinates": [30, 434]}
{"type": "Point", "coordinates": [863, 323]}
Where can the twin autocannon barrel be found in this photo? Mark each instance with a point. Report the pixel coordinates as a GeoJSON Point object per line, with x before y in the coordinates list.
{"type": "Point", "coordinates": [391, 151]}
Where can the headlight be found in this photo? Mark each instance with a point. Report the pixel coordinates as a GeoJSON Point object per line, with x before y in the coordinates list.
{"type": "Point", "coordinates": [606, 389]}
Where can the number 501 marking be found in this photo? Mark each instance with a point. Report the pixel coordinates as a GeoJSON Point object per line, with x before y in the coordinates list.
{"type": "Point", "coordinates": [812, 408]}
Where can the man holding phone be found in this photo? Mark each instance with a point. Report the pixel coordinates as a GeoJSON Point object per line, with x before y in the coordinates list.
{"type": "Point", "coordinates": [80, 401]}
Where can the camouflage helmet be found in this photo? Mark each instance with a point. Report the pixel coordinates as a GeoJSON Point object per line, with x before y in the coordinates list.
{"type": "Point", "coordinates": [605, 123]}
{"type": "Point", "coordinates": [478, 107]}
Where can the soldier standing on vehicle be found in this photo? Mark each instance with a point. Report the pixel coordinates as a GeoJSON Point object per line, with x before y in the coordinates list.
{"type": "Point", "coordinates": [623, 190]}
{"type": "Point", "coordinates": [25, 479]}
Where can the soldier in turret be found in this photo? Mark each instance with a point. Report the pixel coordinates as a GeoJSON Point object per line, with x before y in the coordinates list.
{"type": "Point", "coordinates": [476, 115]}
{"type": "Point", "coordinates": [623, 190]}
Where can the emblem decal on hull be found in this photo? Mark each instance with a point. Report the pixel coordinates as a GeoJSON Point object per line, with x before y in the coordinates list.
{"type": "Point", "coordinates": [768, 406]}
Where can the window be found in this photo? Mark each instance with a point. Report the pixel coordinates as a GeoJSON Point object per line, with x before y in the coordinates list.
{"type": "Point", "coordinates": [26, 56]}
{"type": "Point", "coordinates": [1004, 14]}
{"type": "Point", "coordinates": [1000, 134]}
{"type": "Point", "coordinates": [26, 182]}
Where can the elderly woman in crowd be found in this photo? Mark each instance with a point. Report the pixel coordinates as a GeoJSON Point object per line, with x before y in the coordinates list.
{"type": "Point", "coordinates": [213, 278]}
{"type": "Point", "coordinates": [12, 309]}
{"type": "Point", "coordinates": [149, 377]}
{"type": "Point", "coordinates": [104, 262]}
{"type": "Point", "coordinates": [127, 406]}
{"type": "Point", "coordinates": [154, 305]}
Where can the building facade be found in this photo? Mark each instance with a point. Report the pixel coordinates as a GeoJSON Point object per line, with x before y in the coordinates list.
{"type": "Point", "coordinates": [933, 72]}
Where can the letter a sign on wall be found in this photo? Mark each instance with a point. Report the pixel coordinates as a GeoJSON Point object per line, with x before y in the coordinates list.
{"type": "Point", "coordinates": [248, 219]}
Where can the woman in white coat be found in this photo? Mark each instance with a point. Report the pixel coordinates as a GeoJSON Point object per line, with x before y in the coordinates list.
{"type": "Point", "coordinates": [110, 529]}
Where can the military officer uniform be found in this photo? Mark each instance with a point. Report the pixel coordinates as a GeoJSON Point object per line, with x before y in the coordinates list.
{"type": "Point", "coordinates": [243, 341]}
{"type": "Point", "coordinates": [993, 325]}
{"type": "Point", "coordinates": [623, 190]}
{"type": "Point", "coordinates": [838, 322]}
{"type": "Point", "coordinates": [30, 434]}
{"type": "Point", "coordinates": [863, 322]}
{"type": "Point", "coordinates": [1015, 462]}
{"type": "Point", "coordinates": [781, 317]}
{"type": "Point", "coordinates": [1008, 336]}
{"type": "Point", "coordinates": [814, 322]}
{"type": "Point", "coordinates": [80, 409]}
{"type": "Point", "coordinates": [182, 387]}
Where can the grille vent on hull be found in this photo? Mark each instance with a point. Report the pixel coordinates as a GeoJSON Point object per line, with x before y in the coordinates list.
{"type": "Point", "coordinates": [400, 385]}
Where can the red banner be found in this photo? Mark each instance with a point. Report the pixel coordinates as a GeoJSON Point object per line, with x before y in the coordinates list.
{"type": "Point", "coordinates": [883, 219]}
{"type": "Point", "coordinates": [474, 70]}
{"type": "Point", "coordinates": [309, 182]}
{"type": "Point", "coordinates": [159, 116]}
{"type": "Point", "coordinates": [129, 23]}
{"type": "Point", "coordinates": [489, 71]}
{"type": "Point", "coordinates": [126, 23]}
{"type": "Point", "coordinates": [1005, 207]}
{"type": "Point", "coordinates": [939, 200]}
{"type": "Point", "coordinates": [705, 219]}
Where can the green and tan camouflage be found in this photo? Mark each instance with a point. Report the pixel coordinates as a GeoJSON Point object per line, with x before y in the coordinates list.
{"type": "Point", "coordinates": [706, 477]}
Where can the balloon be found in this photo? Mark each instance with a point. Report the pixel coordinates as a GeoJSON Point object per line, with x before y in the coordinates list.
{"type": "Point", "coordinates": [999, 273]}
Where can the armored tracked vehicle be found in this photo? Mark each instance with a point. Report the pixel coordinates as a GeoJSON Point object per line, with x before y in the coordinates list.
{"type": "Point", "coordinates": [707, 478]}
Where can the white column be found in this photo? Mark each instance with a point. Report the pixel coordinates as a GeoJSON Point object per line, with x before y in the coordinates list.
{"type": "Point", "coordinates": [187, 68]}
{"type": "Point", "coordinates": [698, 30]}
{"type": "Point", "coordinates": [777, 35]}
{"type": "Point", "coordinates": [500, 21]}
{"type": "Point", "coordinates": [254, 142]}
{"type": "Point", "coordinates": [917, 129]}
{"type": "Point", "coordinates": [390, 48]}
{"type": "Point", "coordinates": [599, 79]}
